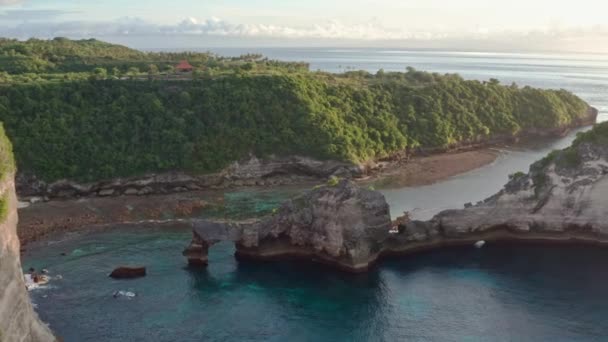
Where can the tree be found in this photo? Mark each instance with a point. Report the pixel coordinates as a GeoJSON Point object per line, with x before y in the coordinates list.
{"type": "Point", "coordinates": [99, 74]}
{"type": "Point", "coordinates": [116, 72]}
{"type": "Point", "coordinates": [153, 70]}
{"type": "Point", "coordinates": [133, 72]}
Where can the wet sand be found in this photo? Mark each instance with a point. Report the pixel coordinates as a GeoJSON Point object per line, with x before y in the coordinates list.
{"type": "Point", "coordinates": [427, 170]}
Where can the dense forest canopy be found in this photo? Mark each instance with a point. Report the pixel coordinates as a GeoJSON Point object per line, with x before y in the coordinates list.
{"type": "Point", "coordinates": [100, 127]}
{"type": "Point", "coordinates": [61, 55]}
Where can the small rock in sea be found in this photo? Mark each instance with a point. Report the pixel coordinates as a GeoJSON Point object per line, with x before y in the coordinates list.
{"type": "Point", "coordinates": [479, 244]}
{"type": "Point", "coordinates": [63, 254]}
{"type": "Point", "coordinates": [128, 272]}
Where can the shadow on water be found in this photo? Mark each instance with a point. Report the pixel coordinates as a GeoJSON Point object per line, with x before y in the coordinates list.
{"type": "Point", "coordinates": [505, 291]}
{"type": "Point", "coordinates": [537, 288]}
{"type": "Point", "coordinates": [303, 299]}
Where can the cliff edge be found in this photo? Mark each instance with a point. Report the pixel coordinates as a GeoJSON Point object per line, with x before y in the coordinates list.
{"type": "Point", "coordinates": [18, 321]}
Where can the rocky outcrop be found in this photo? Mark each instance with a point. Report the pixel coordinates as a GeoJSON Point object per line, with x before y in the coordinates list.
{"type": "Point", "coordinates": [562, 199]}
{"type": "Point", "coordinates": [342, 225]}
{"type": "Point", "coordinates": [250, 172]}
{"type": "Point", "coordinates": [18, 321]}
{"type": "Point", "coordinates": [128, 272]}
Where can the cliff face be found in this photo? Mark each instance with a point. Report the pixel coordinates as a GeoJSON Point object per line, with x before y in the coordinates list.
{"type": "Point", "coordinates": [252, 171]}
{"type": "Point", "coordinates": [18, 321]}
{"type": "Point", "coordinates": [562, 198]}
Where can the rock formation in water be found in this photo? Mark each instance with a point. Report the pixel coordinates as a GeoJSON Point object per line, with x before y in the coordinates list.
{"type": "Point", "coordinates": [563, 198]}
{"type": "Point", "coordinates": [125, 272]}
{"type": "Point", "coordinates": [342, 224]}
{"type": "Point", "coordinates": [18, 321]}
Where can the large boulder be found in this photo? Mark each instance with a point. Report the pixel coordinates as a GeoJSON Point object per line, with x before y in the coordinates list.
{"type": "Point", "coordinates": [128, 272]}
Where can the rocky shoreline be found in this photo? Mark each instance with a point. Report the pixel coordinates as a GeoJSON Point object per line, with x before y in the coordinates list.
{"type": "Point", "coordinates": [349, 226]}
{"type": "Point", "coordinates": [561, 200]}
{"type": "Point", "coordinates": [253, 171]}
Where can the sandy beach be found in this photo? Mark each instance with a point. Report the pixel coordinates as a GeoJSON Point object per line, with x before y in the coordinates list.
{"type": "Point", "coordinates": [427, 170]}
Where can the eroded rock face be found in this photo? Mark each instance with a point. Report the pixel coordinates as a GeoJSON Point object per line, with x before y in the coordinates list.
{"type": "Point", "coordinates": [343, 225]}
{"type": "Point", "coordinates": [248, 172]}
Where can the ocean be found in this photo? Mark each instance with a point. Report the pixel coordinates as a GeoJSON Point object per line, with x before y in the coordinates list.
{"type": "Point", "coordinates": [498, 293]}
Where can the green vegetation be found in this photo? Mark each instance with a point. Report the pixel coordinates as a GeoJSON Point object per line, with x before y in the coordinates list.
{"type": "Point", "coordinates": [516, 175]}
{"type": "Point", "coordinates": [61, 58]}
{"type": "Point", "coordinates": [597, 136]}
{"type": "Point", "coordinates": [333, 181]}
{"type": "Point", "coordinates": [4, 204]}
{"type": "Point", "coordinates": [73, 119]}
{"type": "Point", "coordinates": [7, 168]}
{"type": "Point", "coordinates": [569, 157]}
{"type": "Point", "coordinates": [7, 162]}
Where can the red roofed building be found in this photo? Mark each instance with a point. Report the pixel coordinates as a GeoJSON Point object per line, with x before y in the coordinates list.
{"type": "Point", "coordinates": [184, 66]}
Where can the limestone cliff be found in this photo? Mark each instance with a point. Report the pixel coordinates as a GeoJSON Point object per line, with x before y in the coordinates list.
{"type": "Point", "coordinates": [18, 321]}
{"type": "Point", "coordinates": [562, 199]}
{"type": "Point", "coordinates": [252, 171]}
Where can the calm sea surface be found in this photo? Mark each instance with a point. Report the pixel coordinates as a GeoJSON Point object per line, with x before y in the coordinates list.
{"type": "Point", "coordinates": [499, 293]}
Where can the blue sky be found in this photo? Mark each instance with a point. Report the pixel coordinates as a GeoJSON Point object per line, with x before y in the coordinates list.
{"type": "Point", "coordinates": [516, 24]}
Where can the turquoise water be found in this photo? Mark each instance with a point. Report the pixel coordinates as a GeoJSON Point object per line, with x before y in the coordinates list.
{"type": "Point", "coordinates": [498, 293]}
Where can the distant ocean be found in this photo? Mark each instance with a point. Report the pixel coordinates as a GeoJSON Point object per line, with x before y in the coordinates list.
{"type": "Point", "coordinates": [584, 74]}
{"type": "Point", "coordinates": [498, 293]}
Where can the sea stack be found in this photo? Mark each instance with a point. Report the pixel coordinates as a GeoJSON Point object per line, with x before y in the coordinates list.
{"type": "Point", "coordinates": [340, 224]}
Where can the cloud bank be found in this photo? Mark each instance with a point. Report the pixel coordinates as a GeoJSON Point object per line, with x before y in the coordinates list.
{"type": "Point", "coordinates": [369, 32]}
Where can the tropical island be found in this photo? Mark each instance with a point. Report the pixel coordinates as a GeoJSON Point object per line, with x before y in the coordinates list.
{"type": "Point", "coordinates": [88, 111]}
{"type": "Point", "coordinates": [96, 120]}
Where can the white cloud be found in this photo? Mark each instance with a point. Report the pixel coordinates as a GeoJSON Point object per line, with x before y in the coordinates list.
{"type": "Point", "coordinates": [548, 38]}
{"type": "Point", "coordinates": [209, 27]}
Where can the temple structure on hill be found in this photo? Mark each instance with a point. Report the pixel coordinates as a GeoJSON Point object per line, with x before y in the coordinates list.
{"type": "Point", "coordinates": [184, 66]}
